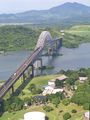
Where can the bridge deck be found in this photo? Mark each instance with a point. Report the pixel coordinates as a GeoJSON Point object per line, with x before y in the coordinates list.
{"type": "Point", "coordinates": [9, 83]}
{"type": "Point", "coordinates": [30, 60]}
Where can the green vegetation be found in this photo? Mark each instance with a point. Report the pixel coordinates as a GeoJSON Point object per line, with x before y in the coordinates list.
{"type": "Point", "coordinates": [66, 116]}
{"type": "Point", "coordinates": [77, 35]}
{"type": "Point", "coordinates": [55, 114]}
{"type": "Point", "coordinates": [82, 95]}
{"type": "Point", "coordinates": [25, 37]}
{"type": "Point", "coordinates": [47, 108]}
{"type": "Point", "coordinates": [55, 106]}
{"type": "Point", "coordinates": [17, 38]}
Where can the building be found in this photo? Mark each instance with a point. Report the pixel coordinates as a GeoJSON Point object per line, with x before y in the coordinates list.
{"type": "Point", "coordinates": [82, 79]}
{"type": "Point", "coordinates": [48, 90]}
{"type": "Point", "coordinates": [51, 88]}
{"type": "Point", "coordinates": [87, 115]}
{"type": "Point", "coordinates": [34, 116]}
{"type": "Point", "coordinates": [57, 90]}
{"type": "Point", "coordinates": [52, 83]}
{"type": "Point", "coordinates": [40, 99]}
{"type": "Point", "coordinates": [62, 77]}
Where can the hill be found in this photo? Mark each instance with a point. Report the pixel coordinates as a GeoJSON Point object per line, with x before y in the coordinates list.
{"type": "Point", "coordinates": [25, 37]}
{"type": "Point", "coordinates": [67, 13]}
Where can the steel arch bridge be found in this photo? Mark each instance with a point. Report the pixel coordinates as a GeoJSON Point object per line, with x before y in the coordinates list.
{"type": "Point", "coordinates": [44, 39]}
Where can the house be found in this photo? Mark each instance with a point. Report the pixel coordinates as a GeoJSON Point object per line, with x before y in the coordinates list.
{"type": "Point", "coordinates": [87, 115]}
{"type": "Point", "coordinates": [39, 99]}
{"type": "Point", "coordinates": [51, 88]}
{"type": "Point", "coordinates": [57, 90]}
{"type": "Point", "coordinates": [51, 83]}
{"type": "Point", "coordinates": [53, 91]}
{"type": "Point", "coordinates": [82, 79]}
{"type": "Point", "coordinates": [48, 90]}
{"type": "Point", "coordinates": [62, 77]}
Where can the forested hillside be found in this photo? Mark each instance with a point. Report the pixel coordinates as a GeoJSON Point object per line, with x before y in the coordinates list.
{"type": "Point", "coordinates": [17, 38]}
{"type": "Point", "coordinates": [25, 37]}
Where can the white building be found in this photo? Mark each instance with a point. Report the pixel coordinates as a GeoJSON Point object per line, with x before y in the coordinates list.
{"type": "Point", "coordinates": [34, 116]}
{"type": "Point", "coordinates": [83, 79]}
{"type": "Point", "coordinates": [62, 77]}
{"type": "Point", "coordinates": [51, 90]}
{"type": "Point", "coordinates": [57, 90]}
{"type": "Point", "coordinates": [52, 83]}
{"type": "Point", "coordinates": [87, 116]}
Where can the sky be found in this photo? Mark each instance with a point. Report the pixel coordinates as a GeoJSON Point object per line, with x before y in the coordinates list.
{"type": "Point", "coordinates": [16, 6]}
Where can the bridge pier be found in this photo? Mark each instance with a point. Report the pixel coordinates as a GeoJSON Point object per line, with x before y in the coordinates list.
{"type": "Point", "coordinates": [24, 76]}
{"type": "Point", "coordinates": [1, 106]}
{"type": "Point", "coordinates": [50, 51]}
{"type": "Point", "coordinates": [12, 89]}
{"type": "Point", "coordinates": [32, 75]}
{"type": "Point", "coordinates": [60, 42]}
{"type": "Point", "coordinates": [28, 72]}
{"type": "Point", "coordinates": [40, 59]}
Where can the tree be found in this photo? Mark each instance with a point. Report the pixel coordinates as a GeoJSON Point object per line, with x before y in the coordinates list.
{"type": "Point", "coordinates": [32, 87]}
{"type": "Point", "coordinates": [58, 83]}
{"type": "Point", "coordinates": [56, 101]}
{"type": "Point", "coordinates": [74, 111]}
{"type": "Point", "coordinates": [86, 106]}
{"type": "Point", "coordinates": [66, 116]}
{"type": "Point", "coordinates": [66, 102]}
{"type": "Point", "coordinates": [47, 108]}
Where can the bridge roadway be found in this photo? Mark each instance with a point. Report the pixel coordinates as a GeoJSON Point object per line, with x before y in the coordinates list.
{"type": "Point", "coordinates": [10, 82]}
{"type": "Point", "coordinates": [44, 39]}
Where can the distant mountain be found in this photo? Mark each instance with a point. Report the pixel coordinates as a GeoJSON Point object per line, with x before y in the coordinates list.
{"type": "Point", "coordinates": [65, 13]}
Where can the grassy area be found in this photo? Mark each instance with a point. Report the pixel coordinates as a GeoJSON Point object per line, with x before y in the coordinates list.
{"type": "Point", "coordinates": [39, 82]}
{"type": "Point", "coordinates": [77, 35]}
{"type": "Point", "coordinates": [53, 115]}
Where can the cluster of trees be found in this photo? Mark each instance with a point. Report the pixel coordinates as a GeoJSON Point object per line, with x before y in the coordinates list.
{"type": "Point", "coordinates": [34, 89]}
{"type": "Point", "coordinates": [13, 104]}
{"type": "Point", "coordinates": [82, 96]}
{"type": "Point", "coordinates": [55, 98]}
{"type": "Point", "coordinates": [17, 37]}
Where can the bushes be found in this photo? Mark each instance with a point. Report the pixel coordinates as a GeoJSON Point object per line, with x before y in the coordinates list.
{"type": "Point", "coordinates": [13, 104]}
{"type": "Point", "coordinates": [47, 108]}
{"type": "Point", "coordinates": [82, 95]}
{"type": "Point", "coordinates": [74, 111]}
{"type": "Point", "coordinates": [86, 106]}
{"type": "Point", "coordinates": [66, 116]}
{"type": "Point", "coordinates": [34, 89]}
{"type": "Point", "coordinates": [66, 102]}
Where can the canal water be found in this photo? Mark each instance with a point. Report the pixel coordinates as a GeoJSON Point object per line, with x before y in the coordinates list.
{"type": "Point", "coordinates": [71, 59]}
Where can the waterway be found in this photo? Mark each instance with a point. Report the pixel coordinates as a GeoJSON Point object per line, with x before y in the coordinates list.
{"type": "Point", "coordinates": [71, 59]}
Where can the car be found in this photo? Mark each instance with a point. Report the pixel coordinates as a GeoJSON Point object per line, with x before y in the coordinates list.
{"type": "Point", "coordinates": [14, 74]}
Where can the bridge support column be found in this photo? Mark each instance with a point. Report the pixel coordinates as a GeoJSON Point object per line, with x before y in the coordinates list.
{"type": "Point", "coordinates": [32, 75]}
{"type": "Point", "coordinates": [1, 106]}
{"type": "Point", "coordinates": [24, 76]}
{"type": "Point", "coordinates": [50, 51]}
{"type": "Point", "coordinates": [28, 72]}
{"type": "Point", "coordinates": [12, 89]}
{"type": "Point", "coordinates": [60, 43]}
{"type": "Point", "coordinates": [40, 59]}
